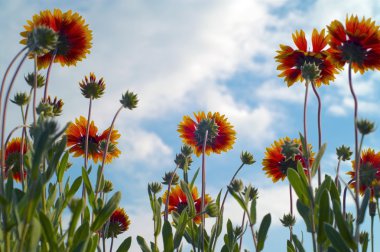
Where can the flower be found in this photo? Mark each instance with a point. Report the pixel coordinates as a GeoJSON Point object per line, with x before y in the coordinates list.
{"type": "Point", "coordinates": [119, 223]}
{"type": "Point", "coordinates": [178, 201]}
{"type": "Point", "coordinates": [276, 163]}
{"type": "Point", "coordinates": [129, 100]}
{"type": "Point", "coordinates": [12, 158]}
{"type": "Point", "coordinates": [76, 137]}
{"type": "Point", "coordinates": [221, 135]}
{"type": "Point", "coordinates": [74, 36]}
{"type": "Point", "coordinates": [291, 61]}
{"type": "Point", "coordinates": [21, 99]}
{"type": "Point", "coordinates": [91, 88]}
{"type": "Point", "coordinates": [358, 43]}
{"type": "Point", "coordinates": [369, 171]}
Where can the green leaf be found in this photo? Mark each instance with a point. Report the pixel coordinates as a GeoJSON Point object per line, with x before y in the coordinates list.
{"type": "Point", "coordinates": [238, 199]}
{"type": "Point", "coordinates": [180, 229]}
{"type": "Point", "coordinates": [344, 231]}
{"type": "Point", "coordinates": [81, 237]}
{"type": "Point", "coordinates": [106, 212]}
{"type": "Point", "coordinates": [49, 231]}
{"type": "Point", "coordinates": [142, 243]}
{"type": "Point", "coordinates": [252, 214]}
{"type": "Point", "coordinates": [76, 209]}
{"type": "Point", "coordinates": [93, 243]}
{"type": "Point", "coordinates": [298, 186]}
{"type": "Point", "coordinates": [194, 178]}
{"type": "Point", "coordinates": [290, 247]}
{"type": "Point", "coordinates": [305, 152]}
{"type": "Point", "coordinates": [363, 206]}
{"type": "Point", "coordinates": [263, 231]}
{"type": "Point", "coordinates": [325, 186]}
{"type": "Point", "coordinates": [336, 239]}
{"type": "Point", "coordinates": [62, 167]}
{"type": "Point", "coordinates": [74, 188]}
{"type": "Point", "coordinates": [317, 160]}
{"type": "Point", "coordinates": [324, 210]}
{"type": "Point", "coordinates": [365, 244]}
{"type": "Point", "coordinates": [298, 244]}
{"type": "Point", "coordinates": [157, 217]}
{"type": "Point", "coordinates": [87, 184]}
{"type": "Point", "coordinates": [189, 197]}
{"type": "Point", "coordinates": [167, 236]}
{"type": "Point", "coordinates": [35, 233]}
{"type": "Point", "coordinates": [305, 212]}
{"type": "Point", "coordinates": [125, 245]}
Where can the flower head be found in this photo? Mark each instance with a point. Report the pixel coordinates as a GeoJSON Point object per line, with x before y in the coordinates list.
{"type": "Point", "coordinates": [76, 137]}
{"type": "Point", "coordinates": [276, 162]}
{"type": "Point", "coordinates": [119, 223]}
{"type": "Point", "coordinates": [221, 135]}
{"type": "Point", "coordinates": [12, 158]}
{"type": "Point", "coordinates": [358, 43]}
{"type": "Point", "coordinates": [42, 40]}
{"type": "Point", "coordinates": [178, 201]}
{"type": "Point", "coordinates": [369, 171]}
{"type": "Point", "coordinates": [129, 100]}
{"type": "Point", "coordinates": [365, 127]}
{"type": "Point", "coordinates": [30, 80]}
{"type": "Point", "coordinates": [92, 88]}
{"type": "Point", "coordinates": [74, 36]}
{"type": "Point", "coordinates": [298, 64]}
{"type": "Point", "coordinates": [343, 153]}
{"type": "Point", "coordinates": [21, 99]}
{"type": "Point", "coordinates": [170, 178]}
{"type": "Point", "coordinates": [50, 107]}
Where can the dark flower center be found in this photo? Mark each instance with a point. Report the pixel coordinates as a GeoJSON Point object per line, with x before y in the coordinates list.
{"type": "Point", "coordinates": [367, 174]}
{"type": "Point", "coordinates": [181, 206]}
{"type": "Point", "coordinates": [93, 144]}
{"type": "Point", "coordinates": [63, 45]}
{"type": "Point", "coordinates": [353, 52]}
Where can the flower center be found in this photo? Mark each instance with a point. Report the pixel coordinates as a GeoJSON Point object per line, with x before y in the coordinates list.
{"type": "Point", "coordinates": [63, 45]}
{"type": "Point", "coordinates": [181, 206]}
{"type": "Point", "coordinates": [353, 52]}
{"type": "Point", "coordinates": [93, 144]}
{"type": "Point", "coordinates": [209, 125]}
{"type": "Point", "coordinates": [367, 174]}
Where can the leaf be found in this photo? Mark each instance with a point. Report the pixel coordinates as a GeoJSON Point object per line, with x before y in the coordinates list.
{"type": "Point", "coordinates": [290, 247]}
{"type": "Point", "coordinates": [142, 243]}
{"type": "Point", "coordinates": [335, 238]}
{"type": "Point", "coordinates": [317, 160]}
{"type": "Point", "coordinates": [74, 188]}
{"type": "Point", "coordinates": [263, 231]}
{"type": "Point", "coordinates": [62, 167]}
{"type": "Point", "coordinates": [252, 214]}
{"type": "Point", "coordinates": [76, 209]}
{"type": "Point", "coordinates": [87, 184]}
{"type": "Point", "coordinates": [298, 186]}
{"type": "Point", "coordinates": [363, 206]}
{"type": "Point", "coordinates": [106, 212]}
{"type": "Point", "coordinates": [167, 236]}
{"type": "Point", "coordinates": [125, 245]}
{"type": "Point", "coordinates": [35, 233]}
{"type": "Point", "coordinates": [344, 231]}
{"type": "Point", "coordinates": [194, 178]}
{"type": "Point", "coordinates": [238, 199]}
{"type": "Point", "coordinates": [180, 229]}
{"type": "Point", "coordinates": [157, 217]}
{"type": "Point", "coordinates": [305, 212]}
{"type": "Point", "coordinates": [298, 244]}
{"type": "Point", "coordinates": [49, 231]}
{"type": "Point", "coordinates": [305, 151]}
{"type": "Point", "coordinates": [81, 237]}
{"type": "Point", "coordinates": [324, 210]}
{"type": "Point", "coordinates": [189, 197]}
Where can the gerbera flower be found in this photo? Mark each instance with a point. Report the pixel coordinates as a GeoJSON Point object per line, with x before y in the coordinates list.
{"type": "Point", "coordinates": [221, 135]}
{"type": "Point", "coordinates": [291, 61]}
{"type": "Point", "coordinates": [178, 201]}
{"type": "Point", "coordinates": [358, 43]}
{"type": "Point", "coordinates": [76, 137]}
{"type": "Point", "coordinates": [119, 223]}
{"type": "Point", "coordinates": [74, 36]}
{"type": "Point", "coordinates": [12, 158]}
{"type": "Point", "coordinates": [369, 171]}
{"type": "Point", "coordinates": [276, 163]}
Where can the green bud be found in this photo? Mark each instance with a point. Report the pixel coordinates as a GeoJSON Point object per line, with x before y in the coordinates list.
{"type": "Point", "coordinates": [253, 193]}
{"type": "Point", "coordinates": [365, 127]}
{"type": "Point", "coordinates": [363, 237]}
{"type": "Point", "coordinates": [168, 177]}
{"type": "Point", "coordinates": [21, 99]}
{"type": "Point", "coordinates": [30, 80]}
{"type": "Point", "coordinates": [108, 186]}
{"type": "Point", "coordinates": [288, 220]}
{"type": "Point", "coordinates": [212, 209]}
{"type": "Point", "coordinates": [154, 187]}
{"type": "Point", "coordinates": [186, 150]}
{"type": "Point", "coordinates": [91, 88]}
{"type": "Point", "coordinates": [42, 40]}
{"type": "Point", "coordinates": [247, 158]}
{"type": "Point", "coordinates": [129, 100]}
{"type": "Point", "coordinates": [237, 185]}
{"type": "Point", "coordinates": [343, 153]}
{"type": "Point", "coordinates": [180, 160]}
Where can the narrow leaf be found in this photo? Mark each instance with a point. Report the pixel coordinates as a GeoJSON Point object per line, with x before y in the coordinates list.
{"type": "Point", "coordinates": [106, 212]}
{"type": "Point", "coordinates": [142, 243]}
{"type": "Point", "coordinates": [167, 236]}
{"type": "Point", "coordinates": [125, 245]}
{"type": "Point", "coordinates": [336, 239]}
{"type": "Point", "coordinates": [317, 160]}
{"type": "Point", "coordinates": [263, 231]}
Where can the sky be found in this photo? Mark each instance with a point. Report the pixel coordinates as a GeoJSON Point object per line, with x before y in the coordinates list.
{"type": "Point", "coordinates": [186, 56]}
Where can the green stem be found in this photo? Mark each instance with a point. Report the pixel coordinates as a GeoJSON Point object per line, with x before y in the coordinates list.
{"type": "Point", "coordinates": [48, 75]}
{"type": "Point", "coordinates": [337, 172]}
{"type": "Point", "coordinates": [233, 177]}
{"type": "Point", "coordinates": [35, 91]}
{"type": "Point", "coordinates": [242, 228]}
{"type": "Point", "coordinates": [203, 189]}
{"type": "Point", "coordinates": [372, 234]}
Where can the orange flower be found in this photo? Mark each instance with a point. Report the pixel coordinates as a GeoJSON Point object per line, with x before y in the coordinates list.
{"type": "Point", "coordinates": [369, 171]}
{"type": "Point", "coordinates": [292, 60]}
{"type": "Point", "coordinates": [178, 201]}
{"type": "Point", "coordinates": [221, 135]}
{"type": "Point", "coordinates": [12, 158]}
{"type": "Point", "coordinates": [358, 43]}
{"type": "Point", "coordinates": [119, 223]}
{"type": "Point", "coordinates": [76, 137]}
{"type": "Point", "coordinates": [74, 36]}
{"type": "Point", "coordinates": [276, 164]}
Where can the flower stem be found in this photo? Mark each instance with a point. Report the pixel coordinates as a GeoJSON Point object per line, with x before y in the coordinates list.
{"type": "Point", "coordinates": [48, 75]}
{"type": "Point", "coordinates": [372, 233]}
{"type": "Point", "coordinates": [203, 188]}
{"type": "Point", "coordinates": [4, 120]}
{"type": "Point", "coordinates": [344, 197]}
{"type": "Point", "coordinates": [242, 227]}
{"type": "Point", "coordinates": [337, 172]}
{"type": "Point", "coordinates": [319, 127]}
{"type": "Point", "coordinates": [291, 211]}
{"type": "Point", "coordinates": [166, 215]}
{"type": "Point", "coordinates": [233, 177]}
{"type": "Point", "coordinates": [357, 166]}
{"type": "Point", "coordinates": [35, 91]}
{"type": "Point", "coordinates": [111, 244]}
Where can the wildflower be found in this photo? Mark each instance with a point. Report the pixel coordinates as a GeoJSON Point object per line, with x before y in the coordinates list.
{"type": "Point", "coordinates": [12, 158]}
{"type": "Point", "coordinates": [76, 137]}
{"type": "Point", "coordinates": [129, 100]}
{"type": "Point", "coordinates": [369, 171]}
{"type": "Point", "coordinates": [42, 40]}
{"type": "Point", "coordinates": [221, 135]}
{"type": "Point", "coordinates": [358, 43]}
{"type": "Point", "coordinates": [276, 163]}
{"type": "Point", "coordinates": [119, 223]}
{"type": "Point", "coordinates": [74, 36]}
{"type": "Point", "coordinates": [298, 64]}
{"type": "Point", "coordinates": [343, 153]}
{"type": "Point", "coordinates": [247, 158]}
{"type": "Point", "coordinates": [30, 80]}
{"type": "Point", "coordinates": [92, 88]}
{"type": "Point", "coordinates": [21, 99]}
{"type": "Point", "coordinates": [178, 201]}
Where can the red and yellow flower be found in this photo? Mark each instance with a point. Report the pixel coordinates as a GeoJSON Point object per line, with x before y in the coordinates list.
{"type": "Point", "coordinates": [369, 171]}
{"type": "Point", "coordinates": [221, 135]}
{"type": "Point", "coordinates": [292, 60]}
{"type": "Point", "coordinates": [276, 164]}
{"type": "Point", "coordinates": [118, 223]}
{"type": "Point", "coordinates": [178, 201]}
{"type": "Point", "coordinates": [358, 43]}
{"type": "Point", "coordinates": [12, 158]}
{"type": "Point", "coordinates": [76, 137]}
{"type": "Point", "coordinates": [74, 36]}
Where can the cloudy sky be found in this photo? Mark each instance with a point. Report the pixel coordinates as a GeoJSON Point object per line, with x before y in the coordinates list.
{"type": "Point", "coordinates": [187, 56]}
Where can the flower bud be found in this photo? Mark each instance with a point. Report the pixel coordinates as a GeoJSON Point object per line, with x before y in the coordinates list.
{"type": "Point", "coordinates": [21, 99]}
{"type": "Point", "coordinates": [237, 185]}
{"type": "Point", "coordinates": [212, 210]}
{"type": "Point", "coordinates": [247, 158]}
{"type": "Point", "coordinates": [288, 220]}
{"type": "Point", "coordinates": [252, 192]}
{"type": "Point", "coordinates": [168, 177]}
{"type": "Point", "coordinates": [91, 88]}
{"type": "Point", "coordinates": [108, 186]}
{"type": "Point", "coordinates": [30, 80]}
{"type": "Point", "coordinates": [129, 100]}
{"type": "Point", "coordinates": [365, 127]}
{"type": "Point", "coordinates": [155, 187]}
{"type": "Point", "coordinates": [343, 153]}
{"type": "Point", "coordinates": [186, 150]}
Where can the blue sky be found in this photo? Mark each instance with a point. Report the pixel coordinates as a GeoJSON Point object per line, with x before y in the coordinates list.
{"type": "Point", "coordinates": [187, 56]}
